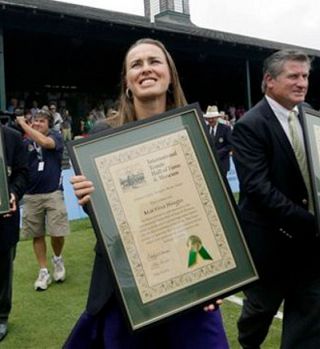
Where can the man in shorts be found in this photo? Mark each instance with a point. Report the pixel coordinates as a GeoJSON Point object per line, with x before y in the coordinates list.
{"type": "Point", "coordinates": [44, 209]}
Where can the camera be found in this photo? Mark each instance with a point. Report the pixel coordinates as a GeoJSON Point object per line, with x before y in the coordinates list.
{"type": "Point", "coordinates": [9, 119]}
{"type": "Point", "coordinates": [11, 116]}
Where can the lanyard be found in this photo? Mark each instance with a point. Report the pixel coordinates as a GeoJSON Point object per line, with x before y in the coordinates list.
{"type": "Point", "coordinates": [38, 149]}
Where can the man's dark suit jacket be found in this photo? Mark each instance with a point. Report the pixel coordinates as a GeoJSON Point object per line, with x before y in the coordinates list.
{"type": "Point", "coordinates": [222, 145]}
{"type": "Point", "coordinates": [17, 164]}
{"type": "Point", "coordinates": [273, 202]}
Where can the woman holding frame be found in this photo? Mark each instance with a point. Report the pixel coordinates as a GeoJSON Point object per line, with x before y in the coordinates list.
{"type": "Point", "coordinates": [149, 86]}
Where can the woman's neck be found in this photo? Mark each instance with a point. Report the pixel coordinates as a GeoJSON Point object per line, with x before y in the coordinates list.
{"type": "Point", "coordinates": [146, 109]}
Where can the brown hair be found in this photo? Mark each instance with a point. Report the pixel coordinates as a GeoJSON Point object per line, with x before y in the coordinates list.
{"type": "Point", "coordinates": [175, 95]}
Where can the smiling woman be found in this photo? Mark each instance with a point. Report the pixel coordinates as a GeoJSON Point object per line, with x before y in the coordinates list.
{"type": "Point", "coordinates": [148, 76]}
{"type": "Point", "coordinates": [150, 85]}
{"type": "Point", "coordinates": [148, 59]}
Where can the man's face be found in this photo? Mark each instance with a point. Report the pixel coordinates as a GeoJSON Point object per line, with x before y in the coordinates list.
{"type": "Point", "coordinates": [41, 124]}
{"type": "Point", "coordinates": [212, 121]}
{"type": "Point", "coordinates": [290, 87]}
{"type": "Point", "coordinates": [53, 108]}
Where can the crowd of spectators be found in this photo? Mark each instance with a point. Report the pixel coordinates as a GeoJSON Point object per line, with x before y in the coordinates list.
{"type": "Point", "coordinates": [78, 126]}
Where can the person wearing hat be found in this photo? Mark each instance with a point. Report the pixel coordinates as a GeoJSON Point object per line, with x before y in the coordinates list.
{"type": "Point", "coordinates": [220, 135]}
{"type": "Point", "coordinates": [44, 208]}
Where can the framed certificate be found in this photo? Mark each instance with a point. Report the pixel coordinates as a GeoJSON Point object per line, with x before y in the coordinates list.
{"type": "Point", "coordinates": [311, 129]}
{"type": "Point", "coordinates": [4, 192]}
{"type": "Point", "coordinates": [164, 214]}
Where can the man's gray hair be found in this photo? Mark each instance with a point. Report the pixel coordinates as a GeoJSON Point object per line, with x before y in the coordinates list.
{"type": "Point", "coordinates": [273, 64]}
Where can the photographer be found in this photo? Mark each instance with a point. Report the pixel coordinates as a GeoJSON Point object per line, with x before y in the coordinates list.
{"type": "Point", "coordinates": [44, 208]}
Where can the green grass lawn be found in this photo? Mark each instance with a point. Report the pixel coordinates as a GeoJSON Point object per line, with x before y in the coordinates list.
{"type": "Point", "coordinates": [231, 313]}
{"type": "Point", "coordinates": [43, 320]}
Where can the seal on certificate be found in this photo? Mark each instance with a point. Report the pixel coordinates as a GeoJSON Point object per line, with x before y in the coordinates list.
{"type": "Point", "coordinates": [196, 248]}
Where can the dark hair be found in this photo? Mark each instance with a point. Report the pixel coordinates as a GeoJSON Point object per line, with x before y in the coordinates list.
{"type": "Point", "coordinates": [175, 97]}
{"type": "Point", "coordinates": [273, 65]}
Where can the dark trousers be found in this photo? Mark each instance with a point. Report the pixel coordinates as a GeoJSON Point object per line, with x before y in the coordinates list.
{"type": "Point", "coordinates": [6, 275]}
{"type": "Point", "coordinates": [301, 321]}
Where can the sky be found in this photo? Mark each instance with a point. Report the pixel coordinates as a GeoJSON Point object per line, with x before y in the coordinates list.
{"type": "Point", "coordinates": [294, 22]}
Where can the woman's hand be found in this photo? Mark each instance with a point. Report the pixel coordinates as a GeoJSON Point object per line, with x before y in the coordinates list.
{"type": "Point", "coordinates": [82, 188]}
{"type": "Point", "coordinates": [213, 306]}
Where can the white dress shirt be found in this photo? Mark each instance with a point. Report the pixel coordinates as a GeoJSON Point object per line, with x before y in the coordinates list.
{"type": "Point", "coordinates": [282, 115]}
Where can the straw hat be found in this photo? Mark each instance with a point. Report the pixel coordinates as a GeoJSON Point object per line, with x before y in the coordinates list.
{"type": "Point", "coordinates": [212, 112]}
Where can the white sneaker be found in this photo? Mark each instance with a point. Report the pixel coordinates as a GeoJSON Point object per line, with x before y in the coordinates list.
{"type": "Point", "coordinates": [43, 281]}
{"type": "Point", "coordinates": [59, 271]}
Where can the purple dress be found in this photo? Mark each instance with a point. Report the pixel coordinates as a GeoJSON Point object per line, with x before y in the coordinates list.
{"type": "Point", "coordinates": [108, 329]}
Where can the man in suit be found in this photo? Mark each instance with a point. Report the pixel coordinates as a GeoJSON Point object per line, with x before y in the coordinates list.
{"type": "Point", "coordinates": [276, 209]}
{"type": "Point", "coordinates": [17, 167]}
{"type": "Point", "coordinates": [220, 135]}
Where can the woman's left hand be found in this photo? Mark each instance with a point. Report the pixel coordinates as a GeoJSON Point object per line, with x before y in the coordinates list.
{"type": "Point", "coordinates": [212, 306]}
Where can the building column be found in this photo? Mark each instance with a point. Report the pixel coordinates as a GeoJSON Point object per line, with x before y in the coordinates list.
{"type": "Point", "coordinates": [186, 8]}
{"type": "Point", "coordinates": [248, 85]}
{"type": "Point", "coordinates": [2, 77]}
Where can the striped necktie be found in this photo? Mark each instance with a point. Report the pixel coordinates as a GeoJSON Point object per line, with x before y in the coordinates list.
{"type": "Point", "coordinates": [300, 155]}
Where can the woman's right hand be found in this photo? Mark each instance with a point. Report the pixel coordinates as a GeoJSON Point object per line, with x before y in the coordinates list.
{"type": "Point", "coordinates": [82, 188]}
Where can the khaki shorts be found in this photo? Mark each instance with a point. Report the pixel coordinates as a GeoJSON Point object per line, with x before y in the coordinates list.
{"type": "Point", "coordinates": [44, 213]}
